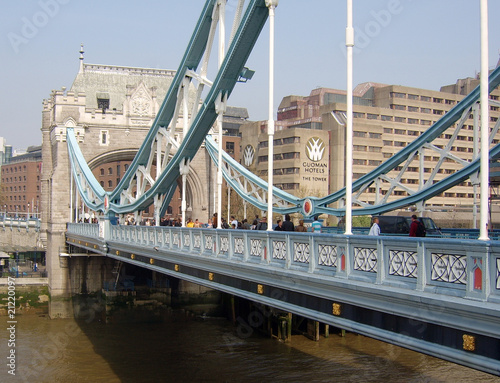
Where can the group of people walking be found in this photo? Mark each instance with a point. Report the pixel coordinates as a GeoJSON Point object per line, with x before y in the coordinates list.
{"type": "Point", "coordinates": [258, 224]}
{"type": "Point", "coordinates": [417, 228]}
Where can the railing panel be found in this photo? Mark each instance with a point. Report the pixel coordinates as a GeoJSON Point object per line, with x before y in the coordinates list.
{"type": "Point", "coordinates": [466, 268]}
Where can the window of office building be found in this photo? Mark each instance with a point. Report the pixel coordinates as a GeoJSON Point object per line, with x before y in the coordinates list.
{"type": "Point", "coordinates": [291, 155]}
{"type": "Point", "coordinates": [398, 95]}
{"type": "Point", "coordinates": [291, 171]}
{"type": "Point", "coordinates": [291, 140]}
{"type": "Point", "coordinates": [261, 159]}
{"type": "Point", "coordinates": [398, 107]}
{"type": "Point", "coordinates": [386, 118]}
{"type": "Point", "coordinates": [230, 147]}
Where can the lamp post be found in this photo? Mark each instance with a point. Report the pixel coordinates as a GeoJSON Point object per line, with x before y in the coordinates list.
{"type": "Point", "coordinates": [28, 213]}
{"type": "Point", "coordinates": [349, 42]}
{"type": "Point", "coordinates": [271, 5]}
{"type": "Point", "coordinates": [484, 96]}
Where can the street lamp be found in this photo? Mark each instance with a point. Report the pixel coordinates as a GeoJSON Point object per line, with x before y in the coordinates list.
{"type": "Point", "coordinates": [28, 212]}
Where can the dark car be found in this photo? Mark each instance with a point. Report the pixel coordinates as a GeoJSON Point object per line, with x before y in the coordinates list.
{"type": "Point", "coordinates": [400, 225]}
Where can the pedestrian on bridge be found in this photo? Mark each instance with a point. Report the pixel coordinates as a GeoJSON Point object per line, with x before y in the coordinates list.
{"type": "Point", "coordinates": [300, 227]}
{"type": "Point", "coordinates": [375, 229]}
{"type": "Point", "coordinates": [288, 224]}
{"type": "Point", "coordinates": [316, 225]}
{"type": "Point", "coordinates": [262, 225]}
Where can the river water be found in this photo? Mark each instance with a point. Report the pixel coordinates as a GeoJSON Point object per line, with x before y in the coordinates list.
{"type": "Point", "coordinates": [206, 350]}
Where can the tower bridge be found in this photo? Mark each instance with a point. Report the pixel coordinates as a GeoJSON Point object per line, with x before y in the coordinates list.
{"type": "Point", "coordinates": [438, 296]}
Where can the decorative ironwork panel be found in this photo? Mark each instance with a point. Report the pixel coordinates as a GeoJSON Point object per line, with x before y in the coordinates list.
{"type": "Point", "coordinates": [256, 247]}
{"type": "Point", "coordinates": [365, 259]}
{"type": "Point", "coordinates": [498, 273]}
{"type": "Point", "coordinates": [175, 239]}
{"type": "Point", "coordinates": [449, 268]}
{"type": "Point", "coordinates": [209, 242]}
{"type": "Point", "coordinates": [197, 241]}
{"type": "Point", "coordinates": [327, 255]}
{"type": "Point", "coordinates": [239, 245]}
{"type": "Point", "coordinates": [187, 239]}
{"type": "Point", "coordinates": [279, 249]}
{"type": "Point", "coordinates": [224, 244]}
{"type": "Point", "coordinates": [134, 236]}
{"type": "Point", "coordinates": [159, 237]}
{"type": "Point", "coordinates": [301, 252]}
{"type": "Point", "coordinates": [152, 237]}
{"type": "Point", "coordinates": [403, 263]}
{"type": "Point", "coordinates": [166, 237]}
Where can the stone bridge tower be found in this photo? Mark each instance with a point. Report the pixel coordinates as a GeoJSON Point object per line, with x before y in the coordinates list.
{"type": "Point", "coordinates": [111, 109]}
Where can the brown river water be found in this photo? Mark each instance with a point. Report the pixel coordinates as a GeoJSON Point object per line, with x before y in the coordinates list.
{"type": "Point", "coordinates": [206, 350]}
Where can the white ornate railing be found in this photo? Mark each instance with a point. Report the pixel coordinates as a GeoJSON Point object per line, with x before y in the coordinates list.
{"type": "Point", "coordinates": [461, 268]}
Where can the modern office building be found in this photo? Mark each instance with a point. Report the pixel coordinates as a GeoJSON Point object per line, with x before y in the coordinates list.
{"type": "Point", "coordinates": [386, 118]}
{"type": "Point", "coordinates": [5, 151]}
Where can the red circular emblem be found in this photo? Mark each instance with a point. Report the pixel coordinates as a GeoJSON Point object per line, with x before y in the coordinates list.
{"type": "Point", "coordinates": [308, 207]}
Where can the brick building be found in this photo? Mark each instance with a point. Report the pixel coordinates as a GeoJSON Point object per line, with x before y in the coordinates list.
{"type": "Point", "coordinates": [21, 184]}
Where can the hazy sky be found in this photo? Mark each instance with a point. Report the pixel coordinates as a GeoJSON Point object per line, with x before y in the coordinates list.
{"type": "Point", "coordinates": [419, 43]}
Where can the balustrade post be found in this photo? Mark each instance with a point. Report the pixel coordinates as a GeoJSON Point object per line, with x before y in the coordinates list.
{"type": "Point", "coordinates": [479, 274]}
{"type": "Point", "coordinates": [347, 262]}
{"type": "Point", "coordinates": [421, 266]}
{"type": "Point", "coordinates": [381, 262]}
{"type": "Point", "coordinates": [105, 226]}
{"type": "Point", "coordinates": [312, 255]}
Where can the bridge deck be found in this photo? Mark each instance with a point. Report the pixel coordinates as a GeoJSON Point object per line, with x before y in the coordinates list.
{"type": "Point", "coordinates": [437, 296]}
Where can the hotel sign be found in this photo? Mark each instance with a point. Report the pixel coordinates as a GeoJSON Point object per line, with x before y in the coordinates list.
{"type": "Point", "coordinates": [316, 167]}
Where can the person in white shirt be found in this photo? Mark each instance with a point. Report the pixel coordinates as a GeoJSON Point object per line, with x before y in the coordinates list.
{"type": "Point", "coordinates": [375, 229]}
